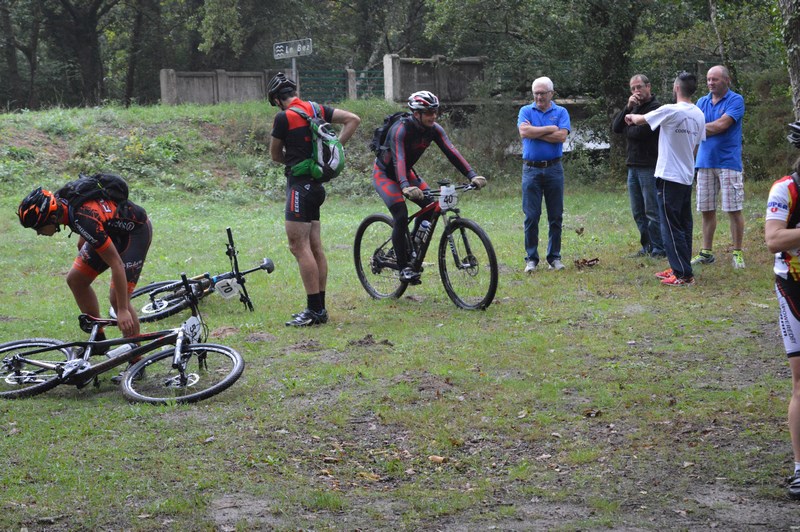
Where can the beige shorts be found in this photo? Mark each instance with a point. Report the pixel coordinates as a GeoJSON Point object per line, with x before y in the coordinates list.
{"type": "Point", "coordinates": [723, 182]}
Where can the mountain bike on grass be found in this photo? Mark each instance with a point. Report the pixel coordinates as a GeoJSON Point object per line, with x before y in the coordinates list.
{"type": "Point", "coordinates": [466, 258]}
{"type": "Point", "coordinates": [160, 299]}
{"type": "Point", "coordinates": [185, 372]}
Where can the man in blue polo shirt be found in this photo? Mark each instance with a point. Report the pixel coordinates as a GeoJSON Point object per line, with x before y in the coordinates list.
{"type": "Point", "coordinates": [719, 164]}
{"type": "Point", "coordinates": [543, 127]}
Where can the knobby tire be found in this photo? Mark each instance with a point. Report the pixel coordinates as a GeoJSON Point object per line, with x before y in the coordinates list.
{"type": "Point", "coordinates": [472, 284]}
{"type": "Point", "coordinates": [373, 240]}
{"type": "Point", "coordinates": [30, 380]}
{"type": "Point", "coordinates": [161, 384]}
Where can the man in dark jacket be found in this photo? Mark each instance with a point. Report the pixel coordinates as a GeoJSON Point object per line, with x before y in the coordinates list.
{"type": "Point", "coordinates": [642, 156]}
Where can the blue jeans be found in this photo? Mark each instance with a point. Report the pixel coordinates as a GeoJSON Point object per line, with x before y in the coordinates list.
{"type": "Point", "coordinates": [547, 183]}
{"type": "Point", "coordinates": [675, 208]}
{"type": "Point", "coordinates": [644, 207]}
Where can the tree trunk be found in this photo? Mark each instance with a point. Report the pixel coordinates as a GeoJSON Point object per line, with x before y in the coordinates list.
{"type": "Point", "coordinates": [135, 50]}
{"type": "Point", "coordinates": [16, 92]}
{"type": "Point", "coordinates": [790, 9]}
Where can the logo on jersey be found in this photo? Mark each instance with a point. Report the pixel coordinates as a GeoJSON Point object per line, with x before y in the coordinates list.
{"type": "Point", "coordinates": [775, 206]}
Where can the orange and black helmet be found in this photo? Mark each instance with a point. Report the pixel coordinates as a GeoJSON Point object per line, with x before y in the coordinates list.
{"type": "Point", "coordinates": [37, 208]}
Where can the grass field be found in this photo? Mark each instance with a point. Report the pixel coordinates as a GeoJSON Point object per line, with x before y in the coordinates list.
{"type": "Point", "coordinates": [585, 399]}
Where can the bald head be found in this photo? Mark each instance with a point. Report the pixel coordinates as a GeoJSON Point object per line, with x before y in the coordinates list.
{"type": "Point", "coordinates": [718, 80]}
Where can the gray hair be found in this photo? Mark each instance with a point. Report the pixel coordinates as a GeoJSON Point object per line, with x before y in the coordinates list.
{"type": "Point", "coordinates": [544, 80]}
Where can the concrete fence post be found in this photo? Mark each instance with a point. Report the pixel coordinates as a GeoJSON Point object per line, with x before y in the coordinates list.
{"type": "Point", "coordinates": [391, 77]}
{"type": "Point", "coordinates": [221, 86]}
{"type": "Point", "coordinates": [169, 89]}
{"type": "Point", "coordinates": [352, 89]}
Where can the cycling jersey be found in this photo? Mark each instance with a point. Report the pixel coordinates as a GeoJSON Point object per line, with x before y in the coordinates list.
{"type": "Point", "coordinates": [293, 130]}
{"type": "Point", "coordinates": [407, 140]}
{"type": "Point", "coordinates": [98, 221]}
{"type": "Point", "coordinates": [782, 203]}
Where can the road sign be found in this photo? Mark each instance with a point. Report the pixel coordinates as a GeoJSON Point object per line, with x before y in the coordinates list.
{"type": "Point", "coordinates": [286, 50]}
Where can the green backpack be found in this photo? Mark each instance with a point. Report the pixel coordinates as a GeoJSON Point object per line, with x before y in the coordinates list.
{"type": "Point", "coordinates": [327, 154]}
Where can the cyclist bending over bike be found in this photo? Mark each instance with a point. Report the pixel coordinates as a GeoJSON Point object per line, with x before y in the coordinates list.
{"type": "Point", "coordinates": [112, 235]}
{"type": "Point", "coordinates": [394, 177]}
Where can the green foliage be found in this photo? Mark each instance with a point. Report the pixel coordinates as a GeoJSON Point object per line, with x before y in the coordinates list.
{"type": "Point", "coordinates": [767, 155]}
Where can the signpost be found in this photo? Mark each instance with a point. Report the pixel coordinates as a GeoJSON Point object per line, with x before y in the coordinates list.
{"type": "Point", "coordinates": [293, 50]}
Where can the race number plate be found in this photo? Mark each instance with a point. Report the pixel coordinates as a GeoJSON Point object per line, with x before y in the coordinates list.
{"type": "Point", "coordinates": [193, 328]}
{"type": "Point", "coordinates": [227, 288]}
{"type": "Point", "coordinates": [447, 197]}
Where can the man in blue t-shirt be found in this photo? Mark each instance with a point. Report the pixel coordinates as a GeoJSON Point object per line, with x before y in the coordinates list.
{"type": "Point", "coordinates": [719, 164]}
{"type": "Point", "coordinates": [543, 127]}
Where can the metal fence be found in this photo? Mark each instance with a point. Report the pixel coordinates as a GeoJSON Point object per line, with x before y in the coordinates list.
{"type": "Point", "coordinates": [325, 86]}
{"type": "Point", "coordinates": [369, 84]}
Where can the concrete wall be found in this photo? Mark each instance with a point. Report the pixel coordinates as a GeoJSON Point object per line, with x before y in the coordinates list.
{"type": "Point", "coordinates": [449, 80]}
{"type": "Point", "coordinates": [213, 87]}
{"type": "Point", "coordinates": [221, 86]}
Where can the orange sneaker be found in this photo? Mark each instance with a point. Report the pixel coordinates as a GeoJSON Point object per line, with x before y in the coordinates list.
{"type": "Point", "coordinates": [674, 281]}
{"type": "Point", "coordinates": [665, 274]}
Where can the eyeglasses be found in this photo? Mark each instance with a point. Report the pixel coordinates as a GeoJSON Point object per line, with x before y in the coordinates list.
{"type": "Point", "coordinates": [429, 112]}
{"type": "Point", "coordinates": [545, 93]}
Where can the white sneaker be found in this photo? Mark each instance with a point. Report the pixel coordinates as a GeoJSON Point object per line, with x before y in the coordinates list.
{"type": "Point", "coordinates": [556, 265]}
{"type": "Point", "coordinates": [530, 267]}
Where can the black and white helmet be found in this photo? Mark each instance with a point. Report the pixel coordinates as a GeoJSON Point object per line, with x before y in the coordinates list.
{"type": "Point", "coordinates": [422, 101]}
{"type": "Point", "coordinates": [279, 86]}
{"type": "Point", "coordinates": [794, 134]}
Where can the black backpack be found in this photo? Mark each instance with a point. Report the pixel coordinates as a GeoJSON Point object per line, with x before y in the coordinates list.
{"type": "Point", "coordinates": [90, 187]}
{"type": "Point", "coordinates": [379, 136]}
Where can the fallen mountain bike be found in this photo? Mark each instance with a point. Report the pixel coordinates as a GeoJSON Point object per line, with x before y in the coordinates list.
{"type": "Point", "coordinates": [160, 299]}
{"type": "Point", "coordinates": [466, 258]}
{"type": "Point", "coordinates": [186, 370]}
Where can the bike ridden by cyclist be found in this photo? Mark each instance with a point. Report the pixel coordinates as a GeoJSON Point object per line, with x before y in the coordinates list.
{"type": "Point", "coordinates": [290, 145]}
{"type": "Point", "coordinates": [395, 179]}
{"type": "Point", "coordinates": [112, 235]}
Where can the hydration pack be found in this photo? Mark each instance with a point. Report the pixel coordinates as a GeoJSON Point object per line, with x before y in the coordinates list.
{"type": "Point", "coordinates": [377, 145]}
{"type": "Point", "coordinates": [327, 152]}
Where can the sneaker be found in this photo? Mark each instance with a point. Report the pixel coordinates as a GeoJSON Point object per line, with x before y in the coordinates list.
{"type": "Point", "coordinates": [407, 275]}
{"type": "Point", "coordinates": [704, 257]}
{"type": "Point", "coordinates": [530, 266]}
{"type": "Point", "coordinates": [794, 486]}
{"type": "Point", "coordinates": [675, 281]}
{"type": "Point", "coordinates": [117, 379]}
{"type": "Point", "coordinates": [556, 265]}
{"type": "Point", "coordinates": [639, 254]}
{"type": "Point", "coordinates": [738, 259]}
{"type": "Point", "coordinates": [665, 274]}
{"type": "Point", "coordinates": [308, 317]}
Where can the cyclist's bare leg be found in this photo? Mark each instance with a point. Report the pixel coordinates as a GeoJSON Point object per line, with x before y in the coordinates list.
{"type": "Point", "coordinates": [299, 236]}
{"type": "Point", "coordinates": [82, 291]}
{"type": "Point", "coordinates": [319, 254]}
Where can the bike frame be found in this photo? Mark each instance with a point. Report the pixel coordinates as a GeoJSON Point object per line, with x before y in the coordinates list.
{"type": "Point", "coordinates": [207, 283]}
{"type": "Point", "coordinates": [80, 372]}
{"type": "Point", "coordinates": [439, 214]}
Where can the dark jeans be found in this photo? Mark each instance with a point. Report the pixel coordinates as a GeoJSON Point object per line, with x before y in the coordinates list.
{"type": "Point", "coordinates": [644, 207]}
{"type": "Point", "coordinates": [675, 208]}
{"type": "Point", "coordinates": [547, 183]}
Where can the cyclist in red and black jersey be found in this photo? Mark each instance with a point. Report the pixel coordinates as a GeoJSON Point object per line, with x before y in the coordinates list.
{"type": "Point", "coordinates": [393, 174]}
{"type": "Point", "coordinates": [112, 235]}
{"type": "Point", "coordinates": [291, 144]}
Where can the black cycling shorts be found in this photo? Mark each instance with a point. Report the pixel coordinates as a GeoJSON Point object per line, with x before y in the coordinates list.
{"type": "Point", "coordinates": [303, 202]}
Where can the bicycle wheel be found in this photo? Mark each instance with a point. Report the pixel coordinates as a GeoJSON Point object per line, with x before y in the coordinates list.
{"type": "Point", "coordinates": [20, 379]}
{"type": "Point", "coordinates": [376, 266]}
{"type": "Point", "coordinates": [210, 369]}
{"type": "Point", "coordinates": [155, 302]}
{"type": "Point", "coordinates": [468, 265]}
